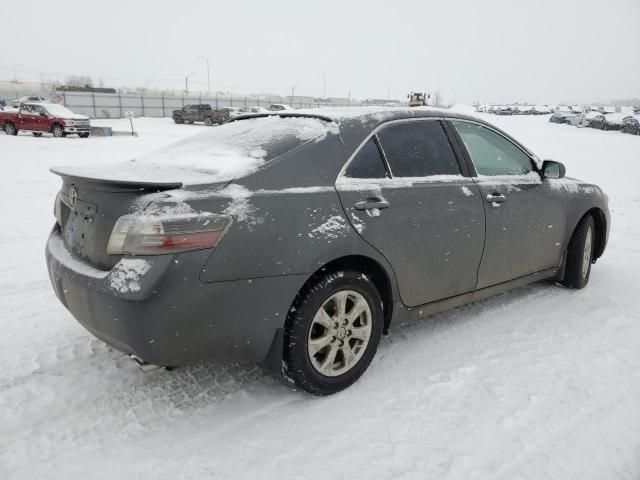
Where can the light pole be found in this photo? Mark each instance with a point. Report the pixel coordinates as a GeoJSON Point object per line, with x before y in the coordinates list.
{"type": "Point", "coordinates": [293, 89]}
{"type": "Point", "coordinates": [324, 85]}
{"type": "Point", "coordinates": [186, 82]}
{"type": "Point", "coordinates": [208, 74]}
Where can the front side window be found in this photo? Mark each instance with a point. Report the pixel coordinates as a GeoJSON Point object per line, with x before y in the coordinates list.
{"type": "Point", "coordinates": [367, 163]}
{"type": "Point", "coordinates": [491, 153]}
{"type": "Point", "coordinates": [418, 149]}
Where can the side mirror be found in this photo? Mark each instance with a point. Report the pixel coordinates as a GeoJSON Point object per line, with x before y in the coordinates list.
{"type": "Point", "coordinates": [551, 169]}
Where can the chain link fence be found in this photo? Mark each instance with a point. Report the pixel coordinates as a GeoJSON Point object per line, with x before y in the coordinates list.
{"type": "Point", "coordinates": [161, 104]}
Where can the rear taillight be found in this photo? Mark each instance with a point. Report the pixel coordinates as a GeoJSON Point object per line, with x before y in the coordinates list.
{"type": "Point", "coordinates": [159, 235]}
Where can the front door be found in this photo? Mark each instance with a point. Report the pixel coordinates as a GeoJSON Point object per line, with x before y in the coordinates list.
{"type": "Point", "coordinates": [525, 215]}
{"type": "Point", "coordinates": [405, 193]}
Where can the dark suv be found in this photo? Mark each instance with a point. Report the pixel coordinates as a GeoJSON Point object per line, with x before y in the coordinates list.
{"type": "Point", "coordinates": [200, 113]}
{"type": "Point", "coordinates": [296, 239]}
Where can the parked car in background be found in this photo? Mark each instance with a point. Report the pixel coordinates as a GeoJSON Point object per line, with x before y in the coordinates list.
{"type": "Point", "coordinates": [258, 110]}
{"type": "Point", "coordinates": [631, 124]}
{"type": "Point", "coordinates": [561, 117]}
{"type": "Point", "coordinates": [271, 239]}
{"type": "Point", "coordinates": [279, 107]}
{"type": "Point", "coordinates": [541, 110]}
{"type": "Point", "coordinates": [231, 112]}
{"type": "Point", "coordinates": [199, 113]}
{"type": "Point", "coordinates": [504, 110]}
{"type": "Point", "coordinates": [613, 121]}
{"type": "Point", "coordinates": [40, 118]}
{"type": "Point", "coordinates": [582, 119]}
{"type": "Point", "coordinates": [598, 121]}
{"type": "Point", "coordinates": [3, 103]}
{"type": "Point", "coordinates": [31, 99]}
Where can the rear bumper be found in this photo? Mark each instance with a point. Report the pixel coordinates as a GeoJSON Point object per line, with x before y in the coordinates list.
{"type": "Point", "coordinates": [157, 309]}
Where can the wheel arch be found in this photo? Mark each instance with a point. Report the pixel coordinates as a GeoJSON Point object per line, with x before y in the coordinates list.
{"type": "Point", "coordinates": [600, 221]}
{"type": "Point", "coordinates": [53, 126]}
{"type": "Point", "coordinates": [380, 277]}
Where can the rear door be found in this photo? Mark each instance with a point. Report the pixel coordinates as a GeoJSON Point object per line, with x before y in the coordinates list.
{"type": "Point", "coordinates": [26, 118]}
{"type": "Point", "coordinates": [525, 215]}
{"type": "Point", "coordinates": [408, 196]}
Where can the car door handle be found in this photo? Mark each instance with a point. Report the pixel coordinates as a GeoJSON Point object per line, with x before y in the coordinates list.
{"type": "Point", "coordinates": [372, 203]}
{"type": "Point", "coordinates": [496, 198]}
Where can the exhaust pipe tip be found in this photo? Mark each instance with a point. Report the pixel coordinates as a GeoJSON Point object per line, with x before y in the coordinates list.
{"type": "Point", "coordinates": [144, 366]}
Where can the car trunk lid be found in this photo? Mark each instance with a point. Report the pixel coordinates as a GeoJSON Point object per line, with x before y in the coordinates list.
{"type": "Point", "coordinates": [90, 203]}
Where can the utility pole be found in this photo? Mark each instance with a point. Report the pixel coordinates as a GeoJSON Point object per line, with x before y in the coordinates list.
{"type": "Point", "coordinates": [208, 74]}
{"type": "Point", "coordinates": [324, 85]}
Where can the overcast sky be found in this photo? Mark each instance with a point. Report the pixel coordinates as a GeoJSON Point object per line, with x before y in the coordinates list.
{"type": "Point", "coordinates": [542, 51]}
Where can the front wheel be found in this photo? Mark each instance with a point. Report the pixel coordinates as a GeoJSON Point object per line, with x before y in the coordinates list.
{"type": "Point", "coordinates": [580, 254]}
{"type": "Point", "coordinates": [178, 119]}
{"type": "Point", "coordinates": [57, 131]}
{"type": "Point", "coordinates": [332, 332]}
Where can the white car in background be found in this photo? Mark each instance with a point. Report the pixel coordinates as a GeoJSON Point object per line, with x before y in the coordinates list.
{"type": "Point", "coordinates": [233, 111]}
{"type": "Point", "coordinates": [258, 110]}
{"type": "Point", "coordinates": [30, 99]}
{"type": "Point", "coordinates": [278, 107]}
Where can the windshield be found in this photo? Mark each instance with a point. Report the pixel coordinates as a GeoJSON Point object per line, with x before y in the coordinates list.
{"type": "Point", "coordinates": [58, 110]}
{"type": "Point", "coordinates": [237, 148]}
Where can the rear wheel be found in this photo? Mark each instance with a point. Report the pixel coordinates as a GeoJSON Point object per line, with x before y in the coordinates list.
{"type": "Point", "coordinates": [580, 254]}
{"type": "Point", "coordinates": [10, 129]}
{"type": "Point", "coordinates": [332, 332]}
{"type": "Point", "coordinates": [57, 131]}
{"type": "Point", "coordinates": [207, 121]}
{"type": "Point", "coordinates": [84, 135]}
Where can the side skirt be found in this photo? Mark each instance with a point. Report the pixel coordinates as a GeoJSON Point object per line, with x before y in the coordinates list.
{"type": "Point", "coordinates": [402, 314]}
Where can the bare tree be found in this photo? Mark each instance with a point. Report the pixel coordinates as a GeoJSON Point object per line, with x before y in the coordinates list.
{"type": "Point", "coordinates": [79, 81]}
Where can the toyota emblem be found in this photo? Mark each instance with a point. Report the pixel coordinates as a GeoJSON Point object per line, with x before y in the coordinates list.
{"type": "Point", "coordinates": [73, 197]}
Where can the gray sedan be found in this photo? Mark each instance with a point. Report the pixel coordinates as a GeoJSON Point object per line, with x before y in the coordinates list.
{"type": "Point", "coordinates": [297, 239]}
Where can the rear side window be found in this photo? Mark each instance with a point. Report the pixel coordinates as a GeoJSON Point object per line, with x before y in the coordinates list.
{"type": "Point", "coordinates": [418, 149]}
{"type": "Point", "coordinates": [491, 153]}
{"type": "Point", "coordinates": [367, 163]}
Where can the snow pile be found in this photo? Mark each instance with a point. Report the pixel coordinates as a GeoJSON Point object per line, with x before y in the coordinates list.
{"type": "Point", "coordinates": [125, 276]}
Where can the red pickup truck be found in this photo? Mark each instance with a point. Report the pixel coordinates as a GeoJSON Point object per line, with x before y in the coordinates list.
{"type": "Point", "coordinates": [39, 118]}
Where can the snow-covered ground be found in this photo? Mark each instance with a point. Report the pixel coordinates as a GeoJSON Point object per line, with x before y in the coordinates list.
{"type": "Point", "coordinates": [538, 383]}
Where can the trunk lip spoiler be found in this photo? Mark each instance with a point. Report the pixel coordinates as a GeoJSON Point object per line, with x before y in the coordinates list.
{"type": "Point", "coordinates": [87, 178]}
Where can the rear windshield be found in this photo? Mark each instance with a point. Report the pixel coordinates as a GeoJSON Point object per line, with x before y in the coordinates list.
{"type": "Point", "coordinates": [237, 148]}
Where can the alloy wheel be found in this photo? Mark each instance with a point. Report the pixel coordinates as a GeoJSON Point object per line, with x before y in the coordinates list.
{"type": "Point", "coordinates": [339, 333]}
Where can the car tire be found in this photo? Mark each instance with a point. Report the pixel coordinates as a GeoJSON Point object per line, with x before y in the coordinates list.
{"type": "Point", "coordinates": [57, 131]}
{"type": "Point", "coordinates": [580, 254]}
{"type": "Point", "coordinates": [208, 122]}
{"type": "Point", "coordinates": [37, 134]}
{"type": "Point", "coordinates": [178, 120]}
{"type": "Point", "coordinates": [10, 129]}
{"type": "Point", "coordinates": [326, 348]}
{"type": "Point", "coordinates": [83, 135]}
